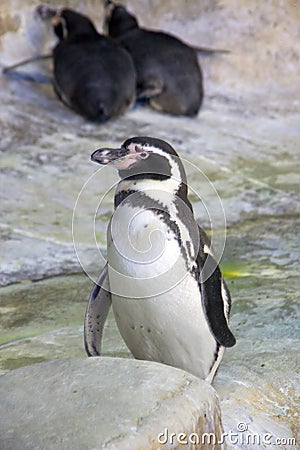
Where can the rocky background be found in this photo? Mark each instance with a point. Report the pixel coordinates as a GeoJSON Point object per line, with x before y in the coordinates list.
{"type": "Point", "coordinates": [245, 139]}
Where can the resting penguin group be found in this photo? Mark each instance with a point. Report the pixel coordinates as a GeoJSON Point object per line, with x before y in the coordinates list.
{"type": "Point", "coordinates": [100, 76]}
{"type": "Point", "coordinates": [168, 72]}
{"type": "Point", "coordinates": [167, 292]}
{"type": "Point", "coordinates": [92, 75]}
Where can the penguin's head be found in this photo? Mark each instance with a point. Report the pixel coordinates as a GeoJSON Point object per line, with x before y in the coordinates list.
{"type": "Point", "coordinates": [146, 158]}
{"type": "Point", "coordinates": [118, 20]}
{"type": "Point", "coordinates": [45, 12]}
{"type": "Point", "coordinates": [66, 22]}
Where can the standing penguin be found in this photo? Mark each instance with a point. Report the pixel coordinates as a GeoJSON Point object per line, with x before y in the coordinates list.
{"type": "Point", "coordinates": [168, 72]}
{"type": "Point", "coordinates": [169, 299]}
{"type": "Point", "coordinates": [92, 74]}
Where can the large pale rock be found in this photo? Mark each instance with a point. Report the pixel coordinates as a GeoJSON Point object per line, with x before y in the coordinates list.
{"type": "Point", "coordinates": [106, 403]}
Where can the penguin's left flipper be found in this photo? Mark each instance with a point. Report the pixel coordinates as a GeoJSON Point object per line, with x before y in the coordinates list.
{"type": "Point", "coordinates": [96, 314]}
{"type": "Point", "coordinates": [215, 299]}
{"type": "Point", "coordinates": [33, 77]}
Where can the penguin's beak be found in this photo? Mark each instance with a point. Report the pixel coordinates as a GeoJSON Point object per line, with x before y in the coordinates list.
{"type": "Point", "coordinates": [120, 158]}
{"type": "Point", "coordinates": [108, 155]}
{"type": "Point", "coordinates": [109, 6]}
{"type": "Point", "coordinates": [51, 15]}
{"type": "Point", "coordinates": [45, 12]}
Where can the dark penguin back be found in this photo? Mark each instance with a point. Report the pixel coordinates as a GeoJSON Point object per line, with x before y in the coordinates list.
{"type": "Point", "coordinates": [168, 72]}
{"type": "Point", "coordinates": [93, 75]}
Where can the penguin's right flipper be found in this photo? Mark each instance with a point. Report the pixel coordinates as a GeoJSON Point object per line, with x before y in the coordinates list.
{"type": "Point", "coordinates": [96, 314]}
{"type": "Point", "coordinates": [205, 51]}
{"type": "Point", "coordinates": [151, 88]}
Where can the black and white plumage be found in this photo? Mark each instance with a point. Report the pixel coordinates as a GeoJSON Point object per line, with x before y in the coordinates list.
{"type": "Point", "coordinates": [168, 71]}
{"type": "Point", "coordinates": [92, 74]}
{"type": "Point", "coordinates": [169, 299]}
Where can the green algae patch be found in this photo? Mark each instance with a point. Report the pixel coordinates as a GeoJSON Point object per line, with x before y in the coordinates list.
{"type": "Point", "coordinates": [232, 270]}
{"type": "Point", "coordinates": [32, 309]}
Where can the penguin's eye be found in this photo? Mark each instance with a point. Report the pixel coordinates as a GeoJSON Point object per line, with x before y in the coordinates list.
{"type": "Point", "coordinates": [144, 155]}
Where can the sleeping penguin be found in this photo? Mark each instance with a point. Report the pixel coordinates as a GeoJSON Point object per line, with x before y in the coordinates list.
{"type": "Point", "coordinates": [92, 74]}
{"type": "Point", "coordinates": [168, 72]}
{"type": "Point", "coordinates": [169, 298]}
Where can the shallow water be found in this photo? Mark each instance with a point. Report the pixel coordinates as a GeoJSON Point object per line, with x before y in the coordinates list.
{"type": "Point", "coordinates": [246, 145]}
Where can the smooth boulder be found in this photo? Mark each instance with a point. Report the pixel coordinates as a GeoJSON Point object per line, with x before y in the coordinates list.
{"type": "Point", "coordinates": [109, 403]}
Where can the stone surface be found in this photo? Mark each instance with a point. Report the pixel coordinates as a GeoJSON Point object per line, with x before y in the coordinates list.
{"type": "Point", "coordinates": [44, 320]}
{"type": "Point", "coordinates": [245, 140]}
{"type": "Point", "coordinates": [250, 113]}
{"type": "Point", "coordinates": [105, 403]}
{"type": "Point", "coordinates": [258, 382]}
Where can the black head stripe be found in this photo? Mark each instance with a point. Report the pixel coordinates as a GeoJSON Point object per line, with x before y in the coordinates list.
{"type": "Point", "coordinates": [119, 21]}
{"type": "Point", "coordinates": [77, 24]}
{"type": "Point", "coordinates": [156, 167]}
{"type": "Point", "coordinates": [147, 141]}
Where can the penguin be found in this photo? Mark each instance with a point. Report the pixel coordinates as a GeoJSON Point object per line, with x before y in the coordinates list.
{"type": "Point", "coordinates": [170, 301]}
{"type": "Point", "coordinates": [92, 74]}
{"type": "Point", "coordinates": [168, 72]}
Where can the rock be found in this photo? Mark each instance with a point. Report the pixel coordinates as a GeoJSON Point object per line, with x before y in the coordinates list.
{"type": "Point", "coordinates": [258, 380]}
{"type": "Point", "coordinates": [249, 410]}
{"type": "Point", "coordinates": [108, 403]}
{"type": "Point", "coordinates": [42, 321]}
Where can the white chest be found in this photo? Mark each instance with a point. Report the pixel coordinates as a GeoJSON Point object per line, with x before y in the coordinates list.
{"type": "Point", "coordinates": [143, 253]}
{"type": "Point", "coordinates": [157, 303]}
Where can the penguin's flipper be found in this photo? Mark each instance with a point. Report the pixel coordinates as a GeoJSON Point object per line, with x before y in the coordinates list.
{"type": "Point", "coordinates": [151, 88]}
{"type": "Point", "coordinates": [96, 314]}
{"type": "Point", "coordinates": [28, 76]}
{"type": "Point", "coordinates": [60, 95]}
{"type": "Point", "coordinates": [33, 77]}
{"type": "Point", "coordinates": [205, 51]}
{"type": "Point", "coordinates": [215, 299]}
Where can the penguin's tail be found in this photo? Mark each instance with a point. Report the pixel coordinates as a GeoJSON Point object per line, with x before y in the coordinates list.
{"type": "Point", "coordinates": [96, 112]}
{"type": "Point", "coordinates": [90, 103]}
{"type": "Point", "coordinates": [206, 51]}
{"type": "Point", "coordinates": [102, 114]}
